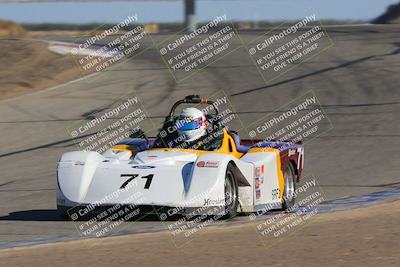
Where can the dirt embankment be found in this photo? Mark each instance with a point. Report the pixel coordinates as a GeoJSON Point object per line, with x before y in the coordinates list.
{"type": "Point", "coordinates": [8, 28]}
{"type": "Point", "coordinates": [366, 237]}
{"type": "Point", "coordinates": [27, 66]}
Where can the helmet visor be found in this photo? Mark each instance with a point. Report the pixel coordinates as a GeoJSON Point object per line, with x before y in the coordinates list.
{"type": "Point", "coordinates": [189, 124]}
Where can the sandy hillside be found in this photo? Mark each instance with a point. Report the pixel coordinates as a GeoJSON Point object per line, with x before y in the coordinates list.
{"type": "Point", "coordinates": [27, 66]}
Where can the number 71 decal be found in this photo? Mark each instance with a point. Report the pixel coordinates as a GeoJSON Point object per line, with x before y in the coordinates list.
{"type": "Point", "coordinates": [133, 176]}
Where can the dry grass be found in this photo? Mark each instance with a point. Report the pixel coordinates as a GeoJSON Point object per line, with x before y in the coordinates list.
{"type": "Point", "coordinates": [8, 28]}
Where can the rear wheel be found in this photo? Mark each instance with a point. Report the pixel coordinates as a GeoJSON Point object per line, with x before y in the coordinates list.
{"type": "Point", "coordinates": [231, 193]}
{"type": "Point", "coordinates": [289, 187]}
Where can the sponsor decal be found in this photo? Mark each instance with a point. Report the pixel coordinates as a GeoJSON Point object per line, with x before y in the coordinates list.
{"type": "Point", "coordinates": [258, 180]}
{"type": "Point", "coordinates": [275, 193]}
{"type": "Point", "coordinates": [291, 152]}
{"type": "Point", "coordinates": [259, 173]}
{"type": "Point", "coordinates": [200, 164]}
{"type": "Point", "coordinates": [208, 164]}
{"type": "Point", "coordinates": [258, 193]}
{"type": "Point", "coordinates": [210, 202]}
{"type": "Point", "coordinates": [143, 167]}
{"type": "Point", "coordinates": [262, 173]}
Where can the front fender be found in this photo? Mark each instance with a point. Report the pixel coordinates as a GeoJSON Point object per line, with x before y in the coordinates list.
{"type": "Point", "coordinates": [207, 183]}
{"type": "Point", "coordinates": [75, 171]}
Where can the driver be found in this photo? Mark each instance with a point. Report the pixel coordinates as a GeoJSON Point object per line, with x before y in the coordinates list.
{"type": "Point", "coordinates": [194, 132]}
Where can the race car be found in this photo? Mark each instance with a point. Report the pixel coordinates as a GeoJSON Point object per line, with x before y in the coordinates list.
{"type": "Point", "coordinates": [226, 176]}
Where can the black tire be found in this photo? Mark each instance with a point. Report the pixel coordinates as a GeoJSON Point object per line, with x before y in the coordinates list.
{"type": "Point", "coordinates": [289, 187]}
{"type": "Point", "coordinates": [231, 193]}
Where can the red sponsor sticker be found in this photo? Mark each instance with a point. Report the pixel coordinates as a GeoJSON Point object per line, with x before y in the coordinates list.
{"type": "Point", "coordinates": [200, 164]}
{"type": "Point", "coordinates": [208, 164]}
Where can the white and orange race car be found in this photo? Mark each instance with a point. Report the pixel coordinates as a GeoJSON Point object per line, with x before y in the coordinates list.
{"type": "Point", "coordinates": [230, 176]}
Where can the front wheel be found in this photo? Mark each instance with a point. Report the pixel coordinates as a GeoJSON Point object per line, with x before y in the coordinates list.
{"type": "Point", "coordinates": [231, 193]}
{"type": "Point", "coordinates": [289, 188]}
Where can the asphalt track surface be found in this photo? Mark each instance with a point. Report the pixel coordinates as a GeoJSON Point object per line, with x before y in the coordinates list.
{"type": "Point", "coordinates": [356, 80]}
